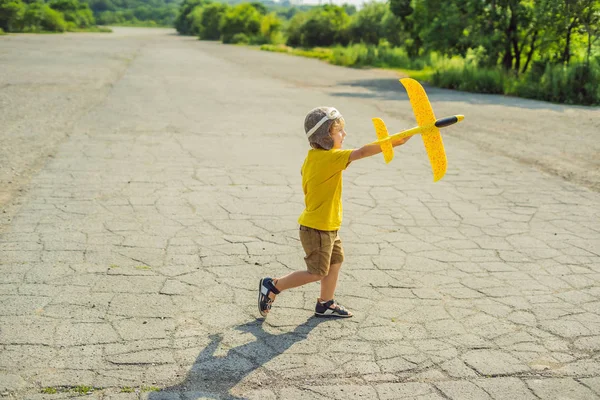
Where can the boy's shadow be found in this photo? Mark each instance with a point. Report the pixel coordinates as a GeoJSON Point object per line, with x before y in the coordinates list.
{"type": "Point", "coordinates": [212, 377]}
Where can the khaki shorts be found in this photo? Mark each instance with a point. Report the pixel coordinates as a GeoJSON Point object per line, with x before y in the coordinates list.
{"type": "Point", "coordinates": [322, 249]}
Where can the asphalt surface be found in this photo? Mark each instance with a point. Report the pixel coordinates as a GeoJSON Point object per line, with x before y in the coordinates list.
{"type": "Point", "coordinates": [149, 180]}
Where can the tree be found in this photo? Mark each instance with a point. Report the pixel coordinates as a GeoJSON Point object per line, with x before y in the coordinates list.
{"type": "Point", "coordinates": [349, 8]}
{"type": "Point", "coordinates": [325, 26]}
{"type": "Point", "coordinates": [571, 12]}
{"type": "Point", "coordinates": [260, 7]}
{"type": "Point", "coordinates": [294, 29]}
{"type": "Point", "coordinates": [401, 8]}
{"type": "Point", "coordinates": [447, 31]}
{"type": "Point", "coordinates": [210, 20]}
{"type": "Point", "coordinates": [590, 19]}
{"type": "Point", "coordinates": [391, 26]}
{"type": "Point", "coordinates": [241, 19]}
{"type": "Point", "coordinates": [76, 13]}
{"type": "Point", "coordinates": [366, 25]}
{"type": "Point", "coordinates": [505, 30]}
{"type": "Point", "coordinates": [182, 22]}
{"type": "Point", "coordinates": [40, 17]}
{"type": "Point", "coordinates": [413, 19]}
{"type": "Point", "coordinates": [270, 25]}
{"type": "Point", "coordinates": [99, 6]}
{"type": "Point", "coordinates": [11, 15]}
{"type": "Point", "coordinates": [194, 21]}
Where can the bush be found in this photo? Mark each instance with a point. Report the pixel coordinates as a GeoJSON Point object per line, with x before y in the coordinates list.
{"type": "Point", "coordinates": [270, 25]}
{"type": "Point", "coordinates": [11, 15]}
{"type": "Point", "coordinates": [344, 56]}
{"type": "Point", "coordinates": [40, 17]}
{"type": "Point", "coordinates": [317, 52]}
{"type": "Point", "coordinates": [243, 18]}
{"type": "Point", "coordinates": [182, 22]}
{"type": "Point", "coordinates": [210, 20]}
{"type": "Point", "coordinates": [366, 25]}
{"type": "Point", "coordinates": [279, 48]}
{"type": "Point", "coordinates": [239, 38]}
{"type": "Point", "coordinates": [470, 79]}
{"type": "Point", "coordinates": [294, 29]}
{"type": "Point", "coordinates": [382, 55]}
{"type": "Point", "coordinates": [325, 26]}
{"type": "Point", "coordinates": [194, 21]}
{"type": "Point", "coordinates": [76, 14]}
{"type": "Point", "coordinates": [392, 28]}
{"type": "Point", "coordinates": [575, 84]}
{"type": "Point", "coordinates": [2, 32]}
{"type": "Point", "coordinates": [395, 57]}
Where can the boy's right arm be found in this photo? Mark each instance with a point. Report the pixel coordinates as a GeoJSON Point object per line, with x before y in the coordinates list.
{"type": "Point", "coordinates": [372, 149]}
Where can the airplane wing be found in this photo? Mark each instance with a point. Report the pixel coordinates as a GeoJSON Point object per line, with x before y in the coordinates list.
{"type": "Point", "coordinates": [432, 139]}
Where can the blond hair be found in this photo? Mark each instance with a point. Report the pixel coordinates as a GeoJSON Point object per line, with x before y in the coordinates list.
{"type": "Point", "coordinates": [339, 122]}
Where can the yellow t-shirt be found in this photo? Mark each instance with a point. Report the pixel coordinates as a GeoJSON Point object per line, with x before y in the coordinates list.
{"type": "Point", "coordinates": [322, 186]}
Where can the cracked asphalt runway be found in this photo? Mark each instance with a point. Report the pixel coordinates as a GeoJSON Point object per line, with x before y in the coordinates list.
{"type": "Point", "coordinates": [148, 180]}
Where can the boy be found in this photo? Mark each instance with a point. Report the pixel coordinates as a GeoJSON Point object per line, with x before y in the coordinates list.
{"type": "Point", "coordinates": [322, 217]}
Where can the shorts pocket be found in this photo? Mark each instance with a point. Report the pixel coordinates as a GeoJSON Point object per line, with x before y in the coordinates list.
{"type": "Point", "coordinates": [311, 240]}
{"type": "Point", "coordinates": [317, 257]}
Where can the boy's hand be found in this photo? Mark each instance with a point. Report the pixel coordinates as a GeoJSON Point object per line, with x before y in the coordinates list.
{"type": "Point", "coordinates": [400, 142]}
{"type": "Point", "coordinates": [372, 149]}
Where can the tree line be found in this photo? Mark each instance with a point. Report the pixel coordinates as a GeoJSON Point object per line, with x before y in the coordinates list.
{"type": "Point", "coordinates": [546, 49]}
{"type": "Point", "coordinates": [135, 12]}
{"type": "Point", "coordinates": [543, 49]}
{"type": "Point", "coordinates": [50, 16]}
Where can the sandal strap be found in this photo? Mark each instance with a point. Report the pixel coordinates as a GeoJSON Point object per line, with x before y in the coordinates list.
{"type": "Point", "coordinates": [271, 287]}
{"type": "Point", "coordinates": [334, 305]}
{"type": "Point", "coordinates": [331, 309]}
{"type": "Point", "coordinates": [267, 288]}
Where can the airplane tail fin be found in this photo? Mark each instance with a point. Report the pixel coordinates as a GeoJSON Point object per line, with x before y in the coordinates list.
{"type": "Point", "coordinates": [382, 134]}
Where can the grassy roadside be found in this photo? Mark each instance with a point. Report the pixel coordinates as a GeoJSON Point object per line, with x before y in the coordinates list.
{"type": "Point", "coordinates": [340, 56]}
{"type": "Point", "coordinates": [101, 29]}
{"type": "Point", "coordinates": [141, 24]}
{"type": "Point", "coordinates": [573, 84]}
{"type": "Point", "coordinates": [93, 29]}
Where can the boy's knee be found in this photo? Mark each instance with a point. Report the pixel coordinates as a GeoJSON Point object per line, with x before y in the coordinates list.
{"type": "Point", "coordinates": [317, 276]}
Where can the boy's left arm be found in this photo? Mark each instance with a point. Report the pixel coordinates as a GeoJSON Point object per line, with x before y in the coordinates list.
{"type": "Point", "coordinates": [372, 149]}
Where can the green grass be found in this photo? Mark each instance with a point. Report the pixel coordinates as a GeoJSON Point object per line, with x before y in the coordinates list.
{"type": "Point", "coordinates": [141, 24]}
{"type": "Point", "coordinates": [574, 84]}
{"type": "Point", "coordinates": [317, 52]}
{"type": "Point", "coordinates": [142, 267]}
{"type": "Point", "coordinates": [150, 389]}
{"type": "Point", "coordinates": [423, 75]}
{"type": "Point", "coordinates": [43, 32]}
{"type": "Point", "coordinates": [470, 79]}
{"type": "Point", "coordinates": [127, 389]}
{"type": "Point", "coordinates": [82, 389]}
{"type": "Point", "coordinates": [40, 32]}
{"type": "Point", "coordinates": [101, 29]}
{"type": "Point", "coordinates": [360, 55]}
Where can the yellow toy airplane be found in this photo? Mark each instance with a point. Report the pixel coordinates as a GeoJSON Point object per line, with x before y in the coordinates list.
{"type": "Point", "coordinates": [428, 128]}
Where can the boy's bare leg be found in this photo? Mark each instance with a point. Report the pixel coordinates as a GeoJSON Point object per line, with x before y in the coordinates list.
{"type": "Point", "coordinates": [292, 280]}
{"type": "Point", "coordinates": [295, 279]}
{"type": "Point", "coordinates": [329, 282]}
